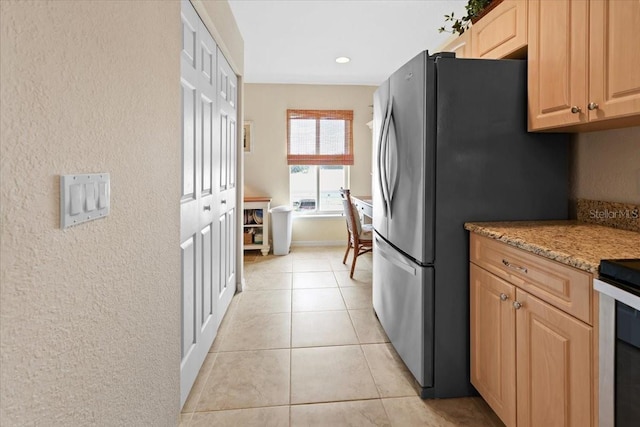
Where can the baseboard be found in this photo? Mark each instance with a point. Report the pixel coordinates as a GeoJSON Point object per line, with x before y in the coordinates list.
{"type": "Point", "coordinates": [318, 243]}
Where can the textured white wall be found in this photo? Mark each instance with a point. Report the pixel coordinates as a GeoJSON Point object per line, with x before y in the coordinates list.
{"type": "Point", "coordinates": [266, 170]}
{"type": "Point", "coordinates": [90, 316]}
{"type": "Point", "coordinates": [606, 166]}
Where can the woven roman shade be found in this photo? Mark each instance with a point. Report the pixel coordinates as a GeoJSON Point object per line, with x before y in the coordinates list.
{"type": "Point", "coordinates": [320, 137]}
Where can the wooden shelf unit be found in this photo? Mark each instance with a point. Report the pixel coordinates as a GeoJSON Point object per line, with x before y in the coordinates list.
{"type": "Point", "coordinates": [251, 205]}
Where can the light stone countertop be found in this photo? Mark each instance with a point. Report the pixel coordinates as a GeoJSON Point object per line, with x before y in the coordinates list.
{"type": "Point", "coordinates": [578, 244]}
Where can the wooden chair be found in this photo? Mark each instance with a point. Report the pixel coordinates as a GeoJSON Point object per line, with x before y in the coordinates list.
{"type": "Point", "coordinates": [360, 237]}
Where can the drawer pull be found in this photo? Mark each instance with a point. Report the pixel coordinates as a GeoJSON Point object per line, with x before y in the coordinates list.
{"type": "Point", "coordinates": [513, 266]}
{"type": "Point", "coordinates": [503, 297]}
{"type": "Point", "coordinates": [517, 305]}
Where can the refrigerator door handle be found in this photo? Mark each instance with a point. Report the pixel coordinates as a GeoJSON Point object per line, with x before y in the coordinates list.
{"type": "Point", "coordinates": [382, 158]}
{"type": "Point", "coordinates": [379, 160]}
{"type": "Point", "coordinates": [383, 170]}
{"type": "Point", "coordinates": [392, 171]}
{"type": "Point", "coordinates": [394, 259]}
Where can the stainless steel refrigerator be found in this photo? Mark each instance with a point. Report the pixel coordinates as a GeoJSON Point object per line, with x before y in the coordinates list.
{"type": "Point", "coordinates": [450, 146]}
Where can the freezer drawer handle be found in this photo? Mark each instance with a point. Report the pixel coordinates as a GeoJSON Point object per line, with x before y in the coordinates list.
{"type": "Point", "coordinates": [394, 260]}
{"type": "Point", "coordinates": [513, 266]}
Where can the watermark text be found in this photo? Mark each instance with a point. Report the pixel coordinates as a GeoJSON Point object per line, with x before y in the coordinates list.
{"type": "Point", "coordinates": [614, 214]}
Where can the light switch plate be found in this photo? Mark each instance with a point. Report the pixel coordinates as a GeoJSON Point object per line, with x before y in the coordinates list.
{"type": "Point", "coordinates": [83, 197]}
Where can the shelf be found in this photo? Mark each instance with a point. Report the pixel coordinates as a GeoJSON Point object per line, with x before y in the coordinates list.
{"type": "Point", "coordinates": [257, 199]}
{"type": "Point", "coordinates": [252, 204]}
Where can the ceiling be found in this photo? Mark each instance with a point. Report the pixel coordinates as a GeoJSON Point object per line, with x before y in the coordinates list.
{"type": "Point", "coordinates": [297, 41]}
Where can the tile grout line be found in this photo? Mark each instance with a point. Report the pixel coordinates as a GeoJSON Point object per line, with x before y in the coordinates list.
{"type": "Point", "coordinates": [219, 335]}
{"type": "Point", "coordinates": [291, 344]}
{"type": "Point", "coordinates": [203, 388]}
{"type": "Point", "coordinates": [235, 315]}
{"type": "Point", "coordinates": [316, 405]}
{"type": "Point", "coordinates": [364, 354]}
{"type": "Point", "coordinates": [361, 399]}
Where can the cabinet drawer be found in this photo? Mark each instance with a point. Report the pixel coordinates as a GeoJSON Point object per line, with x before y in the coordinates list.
{"type": "Point", "coordinates": [564, 287]}
{"type": "Point", "coordinates": [502, 32]}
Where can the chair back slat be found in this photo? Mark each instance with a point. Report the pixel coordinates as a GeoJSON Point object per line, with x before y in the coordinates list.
{"type": "Point", "coordinates": [354, 228]}
{"type": "Point", "coordinates": [349, 214]}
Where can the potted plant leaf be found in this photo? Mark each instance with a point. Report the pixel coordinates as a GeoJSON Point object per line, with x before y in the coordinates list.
{"type": "Point", "coordinates": [476, 9]}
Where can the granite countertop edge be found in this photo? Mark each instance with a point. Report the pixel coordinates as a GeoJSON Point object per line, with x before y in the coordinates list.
{"type": "Point", "coordinates": [511, 234]}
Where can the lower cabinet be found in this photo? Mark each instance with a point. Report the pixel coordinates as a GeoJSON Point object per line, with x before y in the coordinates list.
{"type": "Point", "coordinates": [553, 355]}
{"type": "Point", "coordinates": [493, 342]}
{"type": "Point", "coordinates": [532, 362]}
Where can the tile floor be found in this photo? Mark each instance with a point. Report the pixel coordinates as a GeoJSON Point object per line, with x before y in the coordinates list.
{"type": "Point", "coordinates": [302, 347]}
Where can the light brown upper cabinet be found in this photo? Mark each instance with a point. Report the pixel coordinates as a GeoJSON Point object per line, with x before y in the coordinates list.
{"type": "Point", "coordinates": [501, 33]}
{"type": "Point", "coordinates": [583, 64]}
{"type": "Point", "coordinates": [461, 45]}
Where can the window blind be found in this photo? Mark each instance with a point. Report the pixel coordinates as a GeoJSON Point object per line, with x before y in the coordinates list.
{"type": "Point", "coordinates": [320, 137]}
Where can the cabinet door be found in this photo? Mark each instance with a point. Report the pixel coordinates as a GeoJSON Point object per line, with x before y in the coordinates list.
{"type": "Point", "coordinates": [555, 377]}
{"type": "Point", "coordinates": [502, 32]}
{"type": "Point", "coordinates": [461, 45]}
{"type": "Point", "coordinates": [493, 348]}
{"type": "Point", "coordinates": [614, 58]}
{"type": "Point", "coordinates": [557, 63]}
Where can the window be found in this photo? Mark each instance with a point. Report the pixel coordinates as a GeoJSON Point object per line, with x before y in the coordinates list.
{"type": "Point", "coordinates": [319, 151]}
{"type": "Point", "coordinates": [314, 189]}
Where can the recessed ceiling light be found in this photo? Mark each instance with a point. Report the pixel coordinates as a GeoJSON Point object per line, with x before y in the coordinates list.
{"type": "Point", "coordinates": [342, 60]}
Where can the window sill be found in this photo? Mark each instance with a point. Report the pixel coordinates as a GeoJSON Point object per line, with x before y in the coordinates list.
{"type": "Point", "coordinates": [320, 216]}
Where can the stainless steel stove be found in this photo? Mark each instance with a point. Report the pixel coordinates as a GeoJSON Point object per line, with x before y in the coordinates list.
{"type": "Point", "coordinates": [619, 378]}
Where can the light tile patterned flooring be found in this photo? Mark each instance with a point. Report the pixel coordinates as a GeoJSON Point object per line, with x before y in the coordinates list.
{"type": "Point", "coordinates": [302, 347]}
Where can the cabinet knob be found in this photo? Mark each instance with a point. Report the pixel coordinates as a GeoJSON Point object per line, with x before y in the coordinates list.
{"type": "Point", "coordinates": [503, 297]}
{"type": "Point", "coordinates": [517, 305]}
{"type": "Point", "coordinates": [592, 106]}
{"type": "Point", "coordinates": [207, 207]}
{"type": "Point", "coordinates": [223, 201]}
{"type": "Point", "coordinates": [575, 109]}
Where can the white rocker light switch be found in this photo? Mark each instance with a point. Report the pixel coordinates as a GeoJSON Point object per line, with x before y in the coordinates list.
{"type": "Point", "coordinates": [83, 197]}
{"type": "Point", "coordinates": [90, 190]}
{"type": "Point", "coordinates": [76, 199]}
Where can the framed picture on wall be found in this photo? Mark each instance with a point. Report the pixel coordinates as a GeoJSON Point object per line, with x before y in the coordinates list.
{"type": "Point", "coordinates": [247, 136]}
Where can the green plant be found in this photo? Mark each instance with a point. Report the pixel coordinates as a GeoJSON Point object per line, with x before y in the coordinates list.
{"type": "Point", "coordinates": [473, 7]}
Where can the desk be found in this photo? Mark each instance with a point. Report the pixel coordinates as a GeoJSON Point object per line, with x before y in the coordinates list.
{"type": "Point", "coordinates": [364, 205]}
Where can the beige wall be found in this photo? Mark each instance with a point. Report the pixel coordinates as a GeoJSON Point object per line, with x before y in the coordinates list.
{"type": "Point", "coordinates": [90, 315]}
{"type": "Point", "coordinates": [606, 166]}
{"type": "Point", "coordinates": [266, 170]}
